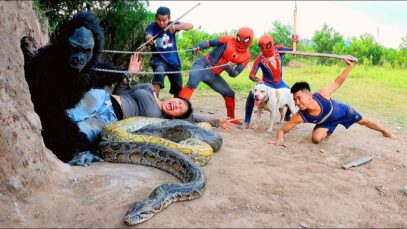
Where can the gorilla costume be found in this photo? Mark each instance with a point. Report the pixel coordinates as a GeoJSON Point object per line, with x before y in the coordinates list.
{"type": "Point", "coordinates": [59, 75]}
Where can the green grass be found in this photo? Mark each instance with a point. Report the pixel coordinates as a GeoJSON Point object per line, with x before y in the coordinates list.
{"type": "Point", "coordinates": [376, 92]}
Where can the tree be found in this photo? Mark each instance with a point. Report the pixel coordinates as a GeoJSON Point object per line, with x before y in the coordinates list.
{"type": "Point", "coordinates": [325, 40]}
{"type": "Point", "coordinates": [282, 35]}
{"type": "Point", "coordinates": [124, 23]}
{"type": "Point", "coordinates": [366, 49]}
{"type": "Point", "coordinates": [188, 40]}
{"type": "Point", "coordinates": [403, 44]}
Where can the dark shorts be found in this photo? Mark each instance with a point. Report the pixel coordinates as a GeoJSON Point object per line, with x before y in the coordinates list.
{"type": "Point", "coordinates": [175, 79]}
{"type": "Point", "coordinates": [351, 117]}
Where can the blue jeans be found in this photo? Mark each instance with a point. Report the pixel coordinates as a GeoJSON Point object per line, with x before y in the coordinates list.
{"type": "Point", "coordinates": [216, 82]}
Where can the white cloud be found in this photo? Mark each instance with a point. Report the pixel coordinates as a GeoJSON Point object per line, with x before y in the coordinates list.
{"type": "Point", "coordinates": [220, 16]}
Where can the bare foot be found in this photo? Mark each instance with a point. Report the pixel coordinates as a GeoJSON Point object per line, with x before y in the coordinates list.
{"type": "Point", "coordinates": [389, 134]}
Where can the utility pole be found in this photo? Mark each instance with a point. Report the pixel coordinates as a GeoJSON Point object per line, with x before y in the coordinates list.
{"type": "Point", "coordinates": [295, 26]}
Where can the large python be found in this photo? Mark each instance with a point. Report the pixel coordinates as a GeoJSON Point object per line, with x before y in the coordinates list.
{"type": "Point", "coordinates": [147, 141]}
{"type": "Point", "coordinates": [198, 142]}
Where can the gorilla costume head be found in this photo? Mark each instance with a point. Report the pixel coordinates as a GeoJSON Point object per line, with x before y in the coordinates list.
{"type": "Point", "coordinates": [82, 39]}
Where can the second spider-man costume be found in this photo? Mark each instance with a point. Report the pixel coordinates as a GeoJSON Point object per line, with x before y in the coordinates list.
{"type": "Point", "coordinates": [228, 50]}
{"type": "Point", "coordinates": [271, 64]}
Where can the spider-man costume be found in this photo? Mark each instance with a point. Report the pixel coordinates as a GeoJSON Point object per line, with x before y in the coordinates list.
{"type": "Point", "coordinates": [271, 67]}
{"type": "Point", "coordinates": [228, 49]}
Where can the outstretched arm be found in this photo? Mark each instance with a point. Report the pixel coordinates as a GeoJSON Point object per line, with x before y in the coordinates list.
{"type": "Point", "coordinates": [296, 119]}
{"type": "Point", "coordinates": [327, 91]}
{"type": "Point", "coordinates": [253, 71]}
{"type": "Point", "coordinates": [224, 123]}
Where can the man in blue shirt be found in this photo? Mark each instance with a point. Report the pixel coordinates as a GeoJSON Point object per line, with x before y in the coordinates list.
{"type": "Point", "coordinates": [319, 108]}
{"type": "Point", "coordinates": [165, 42]}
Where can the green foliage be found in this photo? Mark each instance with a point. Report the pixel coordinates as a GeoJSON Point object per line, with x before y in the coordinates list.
{"type": "Point", "coordinates": [282, 35]}
{"type": "Point", "coordinates": [124, 23]}
{"type": "Point", "coordinates": [58, 11]}
{"type": "Point", "coordinates": [403, 44]}
{"type": "Point", "coordinates": [254, 48]}
{"type": "Point", "coordinates": [188, 40]}
{"type": "Point", "coordinates": [325, 40]}
{"type": "Point", "coordinates": [366, 50]}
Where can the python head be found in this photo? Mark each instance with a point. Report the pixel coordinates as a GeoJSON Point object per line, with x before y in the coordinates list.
{"type": "Point", "coordinates": [142, 211]}
{"type": "Point", "coordinates": [81, 45]}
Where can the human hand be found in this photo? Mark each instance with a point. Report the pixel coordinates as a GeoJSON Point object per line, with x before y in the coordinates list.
{"type": "Point", "coordinates": [277, 143]}
{"type": "Point", "coordinates": [259, 81]}
{"type": "Point", "coordinates": [196, 50]}
{"type": "Point", "coordinates": [172, 28]}
{"type": "Point", "coordinates": [295, 38]}
{"type": "Point", "coordinates": [135, 63]}
{"type": "Point", "coordinates": [276, 55]}
{"type": "Point", "coordinates": [348, 61]}
{"type": "Point", "coordinates": [226, 123]}
{"type": "Point", "coordinates": [149, 37]}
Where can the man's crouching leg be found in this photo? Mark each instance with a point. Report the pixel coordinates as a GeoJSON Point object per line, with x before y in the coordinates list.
{"type": "Point", "coordinates": [318, 134]}
{"type": "Point", "coordinates": [374, 126]}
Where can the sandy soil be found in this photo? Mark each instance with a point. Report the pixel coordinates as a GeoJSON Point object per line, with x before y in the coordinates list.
{"type": "Point", "coordinates": [250, 184]}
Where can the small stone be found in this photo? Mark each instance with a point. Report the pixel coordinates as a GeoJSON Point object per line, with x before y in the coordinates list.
{"type": "Point", "coordinates": [14, 184]}
{"type": "Point", "coordinates": [322, 151]}
{"type": "Point", "coordinates": [381, 190]}
{"type": "Point", "coordinates": [304, 224]}
{"type": "Point", "coordinates": [73, 180]}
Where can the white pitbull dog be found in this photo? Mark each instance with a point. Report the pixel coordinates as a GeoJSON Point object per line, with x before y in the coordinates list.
{"type": "Point", "coordinates": [273, 100]}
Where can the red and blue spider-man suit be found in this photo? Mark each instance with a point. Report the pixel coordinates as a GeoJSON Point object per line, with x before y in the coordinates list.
{"type": "Point", "coordinates": [228, 49]}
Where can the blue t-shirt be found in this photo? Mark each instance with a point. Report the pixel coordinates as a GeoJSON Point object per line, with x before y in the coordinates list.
{"type": "Point", "coordinates": [164, 42]}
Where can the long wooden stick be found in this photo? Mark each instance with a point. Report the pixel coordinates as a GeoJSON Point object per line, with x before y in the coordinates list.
{"type": "Point", "coordinates": [351, 58]}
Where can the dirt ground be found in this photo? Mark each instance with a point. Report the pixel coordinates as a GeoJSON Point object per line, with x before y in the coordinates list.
{"type": "Point", "coordinates": [250, 184]}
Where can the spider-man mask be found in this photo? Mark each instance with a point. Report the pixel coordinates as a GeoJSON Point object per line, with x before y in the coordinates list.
{"type": "Point", "coordinates": [266, 44]}
{"type": "Point", "coordinates": [244, 38]}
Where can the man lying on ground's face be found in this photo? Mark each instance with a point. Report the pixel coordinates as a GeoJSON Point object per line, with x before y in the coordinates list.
{"type": "Point", "coordinates": [174, 107]}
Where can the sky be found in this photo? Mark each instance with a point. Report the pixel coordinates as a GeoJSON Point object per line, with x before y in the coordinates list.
{"type": "Point", "coordinates": [385, 20]}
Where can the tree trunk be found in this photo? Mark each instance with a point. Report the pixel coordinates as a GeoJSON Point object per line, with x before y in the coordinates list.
{"type": "Point", "coordinates": [25, 163]}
